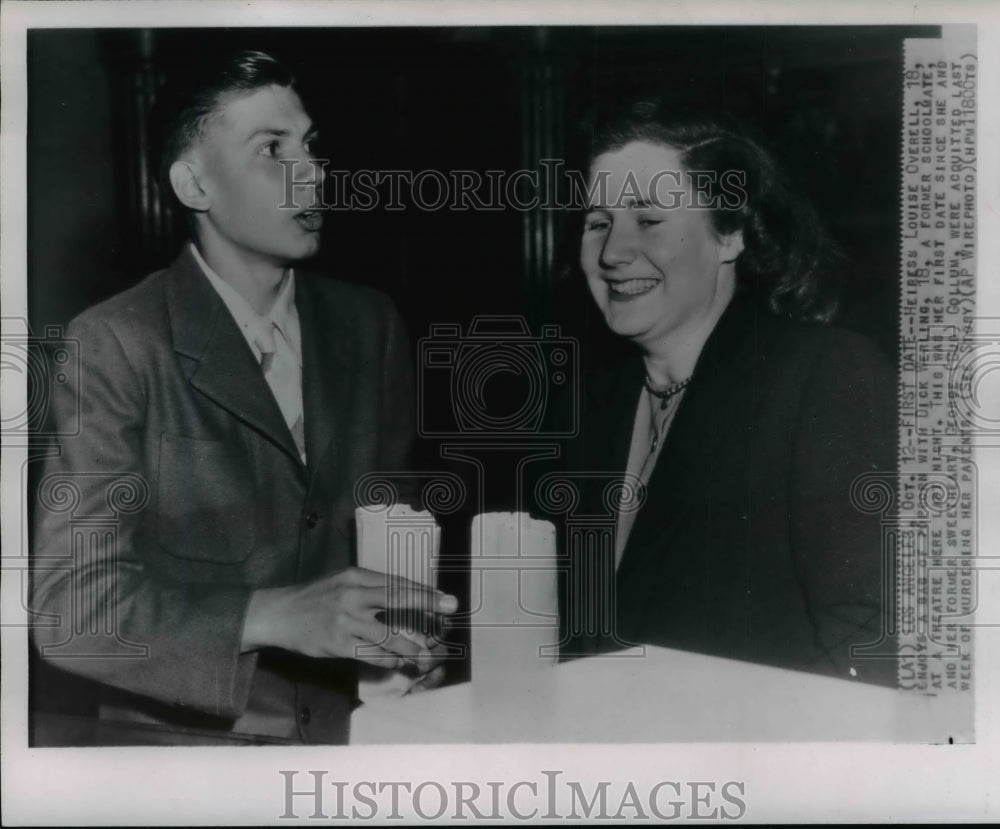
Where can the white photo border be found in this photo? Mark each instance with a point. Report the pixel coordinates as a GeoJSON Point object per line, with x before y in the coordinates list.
{"type": "Point", "coordinates": [783, 782]}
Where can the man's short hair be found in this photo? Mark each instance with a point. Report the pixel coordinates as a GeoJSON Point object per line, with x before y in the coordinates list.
{"type": "Point", "coordinates": [190, 99]}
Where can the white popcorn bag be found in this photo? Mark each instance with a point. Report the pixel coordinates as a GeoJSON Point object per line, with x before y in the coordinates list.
{"type": "Point", "coordinates": [399, 541]}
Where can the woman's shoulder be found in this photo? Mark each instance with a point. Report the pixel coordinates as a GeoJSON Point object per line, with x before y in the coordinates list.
{"type": "Point", "coordinates": [831, 365]}
{"type": "Point", "coordinates": [811, 341]}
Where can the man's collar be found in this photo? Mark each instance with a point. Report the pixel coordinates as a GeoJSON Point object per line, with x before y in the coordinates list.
{"type": "Point", "coordinates": [282, 314]}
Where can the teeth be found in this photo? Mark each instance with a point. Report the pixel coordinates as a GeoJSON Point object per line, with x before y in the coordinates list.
{"type": "Point", "coordinates": [311, 220]}
{"type": "Point", "coordinates": [631, 286]}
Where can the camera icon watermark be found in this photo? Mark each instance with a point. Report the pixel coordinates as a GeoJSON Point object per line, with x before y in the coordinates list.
{"type": "Point", "coordinates": [45, 363]}
{"type": "Point", "coordinates": [457, 371]}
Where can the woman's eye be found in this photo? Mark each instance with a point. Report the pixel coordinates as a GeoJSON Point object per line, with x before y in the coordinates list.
{"type": "Point", "coordinates": [270, 149]}
{"type": "Point", "coordinates": [649, 222]}
{"type": "Point", "coordinates": [597, 224]}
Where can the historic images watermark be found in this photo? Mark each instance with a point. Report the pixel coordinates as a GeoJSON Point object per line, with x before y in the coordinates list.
{"type": "Point", "coordinates": [551, 186]}
{"type": "Point", "coordinates": [458, 365]}
{"type": "Point", "coordinates": [43, 362]}
{"type": "Point", "coordinates": [312, 795]}
{"type": "Point", "coordinates": [49, 364]}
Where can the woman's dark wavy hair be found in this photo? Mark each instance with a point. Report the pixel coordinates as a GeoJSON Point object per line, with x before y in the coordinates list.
{"type": "Point", "coordinates": [194, 95]}
{"type": "Point", "coordinates": [788, 259]}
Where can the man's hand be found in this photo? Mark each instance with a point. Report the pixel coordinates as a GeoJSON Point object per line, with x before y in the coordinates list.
{"type": "Point", "coordinates": [336, 617]}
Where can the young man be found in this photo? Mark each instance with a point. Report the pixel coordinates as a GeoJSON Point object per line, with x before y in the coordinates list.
{"type": "Point", "coordinates": [228, 406]}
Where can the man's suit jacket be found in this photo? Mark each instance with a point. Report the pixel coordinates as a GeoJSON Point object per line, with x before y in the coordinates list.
{"type": "Point", "coordinates": [183, 491]}
{"type": "Point", "coordinates": [749, 543]}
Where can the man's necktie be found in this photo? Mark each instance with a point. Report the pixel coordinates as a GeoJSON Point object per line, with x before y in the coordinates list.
{"type": "Point", "coordinates": [284, 376]}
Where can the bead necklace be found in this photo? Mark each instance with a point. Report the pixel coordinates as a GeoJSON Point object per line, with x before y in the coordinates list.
{"type": "Point", "coordinates": [664, 393]}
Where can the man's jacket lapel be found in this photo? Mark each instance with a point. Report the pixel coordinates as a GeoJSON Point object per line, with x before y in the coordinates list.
{"type": "Point", "coordinates": [326, 376]}
{"type": "Point", "coordinates": [223, 368]}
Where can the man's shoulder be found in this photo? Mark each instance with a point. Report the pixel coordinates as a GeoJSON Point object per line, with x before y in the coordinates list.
{"type": "Point", "coordinates": [361, 315]}
{"type": "Point", "coordinates": [347, 296]}
{"type": "Point", "coordinates": [141, 314]}
{"type": "Point", "coordinates": [140, 307]}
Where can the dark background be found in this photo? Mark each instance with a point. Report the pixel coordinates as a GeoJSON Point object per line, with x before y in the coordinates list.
{"type": "Point", "coordinates": [827, 99]}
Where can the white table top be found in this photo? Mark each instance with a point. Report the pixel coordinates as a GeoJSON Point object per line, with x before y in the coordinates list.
{"type": "Point", "coordinates": [660, 695]}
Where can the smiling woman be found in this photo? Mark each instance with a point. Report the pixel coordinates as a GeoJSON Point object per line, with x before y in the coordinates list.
{"type": "Point", "coordinates": [659, 272]}
{"type": "Point", "coordinates": [738, 425]}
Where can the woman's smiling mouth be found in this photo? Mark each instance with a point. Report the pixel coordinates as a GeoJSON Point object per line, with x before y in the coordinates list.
{"type": "Point", "coordinates": [626, 290]}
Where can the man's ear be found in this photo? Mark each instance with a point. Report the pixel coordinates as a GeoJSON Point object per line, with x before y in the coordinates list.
{"type": "Point", "coordinates": [187, 187]}
{"type": "Point", "coordinates": [730, 246]}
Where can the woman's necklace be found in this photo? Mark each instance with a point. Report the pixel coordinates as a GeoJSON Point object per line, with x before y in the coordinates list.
{"type": "Point", "coordinates": [660, 416]}
{"type": "Point", "coordinates": [664, 393]}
